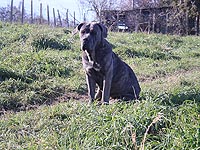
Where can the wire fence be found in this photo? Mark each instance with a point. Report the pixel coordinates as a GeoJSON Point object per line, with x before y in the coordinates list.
{"type": "Point", "coordinates": [12, 13]}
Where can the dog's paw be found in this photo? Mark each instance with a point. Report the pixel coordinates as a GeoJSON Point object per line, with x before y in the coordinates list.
{"type": "Point", "coordinates": [90, 102]}
{"type": "Point", "coordinates": [100, 103]}
{"type": "Point", "coordinates": [105, 103]}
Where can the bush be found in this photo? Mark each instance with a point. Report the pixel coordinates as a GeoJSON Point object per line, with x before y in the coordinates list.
{"type": "Point", "coordinates": [43, 41]}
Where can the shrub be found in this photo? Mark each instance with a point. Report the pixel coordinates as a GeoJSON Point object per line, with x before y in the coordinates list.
{"type": "Point", "coordinates": [43, 41]}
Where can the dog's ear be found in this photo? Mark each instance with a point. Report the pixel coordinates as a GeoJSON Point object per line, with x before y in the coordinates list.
{"type": "Point", "coordinates": [80, 25]}
{"type": "Point", "coordinates": [104, 30]}
{"type": "Point", "coordinates": [77, 29]}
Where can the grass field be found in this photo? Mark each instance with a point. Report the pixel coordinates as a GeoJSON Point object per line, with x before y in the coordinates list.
{"type": "Point", "coordinates": [43, 93]}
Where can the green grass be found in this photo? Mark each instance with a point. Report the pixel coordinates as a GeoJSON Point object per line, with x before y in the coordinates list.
{"type": "Point", "coordinates": [76, 125]}
{"type": "Point", "coordinates": [43, 92]}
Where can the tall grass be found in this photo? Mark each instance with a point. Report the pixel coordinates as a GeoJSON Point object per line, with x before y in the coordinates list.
{"type": "Point", "coordinates": [74, 125]}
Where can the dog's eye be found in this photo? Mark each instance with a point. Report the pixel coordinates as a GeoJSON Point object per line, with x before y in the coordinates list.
{"type": "Point", "coordinates": [83, 32]}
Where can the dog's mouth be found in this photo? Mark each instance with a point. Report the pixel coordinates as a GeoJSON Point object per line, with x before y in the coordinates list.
{"type": "Point", "coordinates": [85, 46]}
{"type": "Point", "coordinates": [88, 49]}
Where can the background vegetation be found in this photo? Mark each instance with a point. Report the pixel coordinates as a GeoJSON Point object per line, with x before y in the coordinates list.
{"type": "Point", "coordinates": [40, 67]}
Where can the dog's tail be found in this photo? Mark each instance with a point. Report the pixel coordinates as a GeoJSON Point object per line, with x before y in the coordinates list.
{"type": "Point", "coordinates": [136, 94]}
{"type": "Point", "coordinates": [136, 87]}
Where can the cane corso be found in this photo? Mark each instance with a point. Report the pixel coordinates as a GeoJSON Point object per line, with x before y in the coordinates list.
{"type": "Point", "coordinates": [114, 78]}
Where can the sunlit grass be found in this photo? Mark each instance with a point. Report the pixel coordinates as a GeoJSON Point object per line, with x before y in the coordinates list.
{"type": "Point", "coordinates": [40, 67]}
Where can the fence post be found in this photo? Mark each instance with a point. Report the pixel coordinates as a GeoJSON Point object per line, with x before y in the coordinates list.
{"type": "Point", "coordinates": [167, 21]}
{"type": "Point", "coordinates": [59, 18]}
{"type": "Point", "coordinates": [133, 4]}
{"type": "Point", "coordinates": [84, 18]}
{"type": "Point", "coordinates": [11, 11]}
{"type": "Point", "coordinates": [48, 18]}
{"type": "Point", "coordinates": [67, 18]}
{"type": "Point", "coordinates": [154, 22]}
{"type": "Point", "coordinates": [74, 19]}
{"type": "Point", "coordinates": [31, 11]}
{"type": "Point", "coordinates": [22, 20]}
{"type": "Point", "coordinates": [40, 13]}
{"type": "Point", "coordinates": [54, 17]}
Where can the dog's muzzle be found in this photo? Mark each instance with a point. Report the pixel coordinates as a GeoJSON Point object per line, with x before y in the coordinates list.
{"type": "Point", "coordinates": [84, 44]}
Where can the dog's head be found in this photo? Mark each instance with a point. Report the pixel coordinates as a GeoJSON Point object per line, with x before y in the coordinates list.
{"type": "Point", "coordinates": [91, 35]}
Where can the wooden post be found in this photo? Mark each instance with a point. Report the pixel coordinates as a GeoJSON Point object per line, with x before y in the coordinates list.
{"type": "Point", "coordinates": [149, 26]}
{"type": "Point", "coordinates": [117, 21]}
{"type": "Point", "coordinates": [187, 30]}
{"type": "Point", "coordinates": [137, 23]}
{"type": "Point", "coordinates": [22, 19]}
{"type": "Point", "coordinates": [67, 18]}
{"type": "Point", "coordinates": [31, 11]}
{"type": "Point", "coordinates": [197, 19]}
{"type": "Point", "coordinates": [74, 19]}
{"type": "Point", "coordinates": [84, 18]}
{"type": "Point", "coordinates": [48, 18]}
{"type": "Point", "coordinates": [11, 11]}
{"type": "Point", "coordinates": [40, 13]}
{"type": "Point", "coordinates": [59, 18]}
{"type": "Point", "coordinates": [154, 21]}
{"type": "Point", "coordinates": [167, 20]}
{"type": "Point", "coordinates": [54, 16]}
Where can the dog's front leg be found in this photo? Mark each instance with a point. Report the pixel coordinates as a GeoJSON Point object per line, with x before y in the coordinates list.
{"type": "Point", "coordinates": [91, 88]}
{"type": "Point", "coordinates": [98, 95]}
{"type": "Point", "coordinates": [107, 86]}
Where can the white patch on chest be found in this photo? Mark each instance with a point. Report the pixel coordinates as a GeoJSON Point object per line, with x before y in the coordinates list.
{"type": "Point", "coordinates": [91, 64]}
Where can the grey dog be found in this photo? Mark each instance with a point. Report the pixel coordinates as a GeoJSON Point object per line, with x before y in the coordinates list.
{"type": "Point", "coordinates": [103, 67]}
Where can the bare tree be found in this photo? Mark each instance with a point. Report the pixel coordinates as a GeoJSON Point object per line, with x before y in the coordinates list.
{"type": "Point", "coordinates": [184, 16]}
{"type": "Point", "coordinates": [98, 5]}
{"type": "Point", "coordinates": [131, 4]}
{"type": "Point", "coordinates": [5, 14]}
{"type": "Point", "coordinates": [126, 4]}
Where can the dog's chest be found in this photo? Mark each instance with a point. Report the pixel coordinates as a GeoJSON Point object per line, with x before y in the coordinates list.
{"type": "Point", "coordinates": [91, 67]}
{"type": "Point", "coordinates": [94, 70]}
{"type": "Point", "coordinates": [90, 62]}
